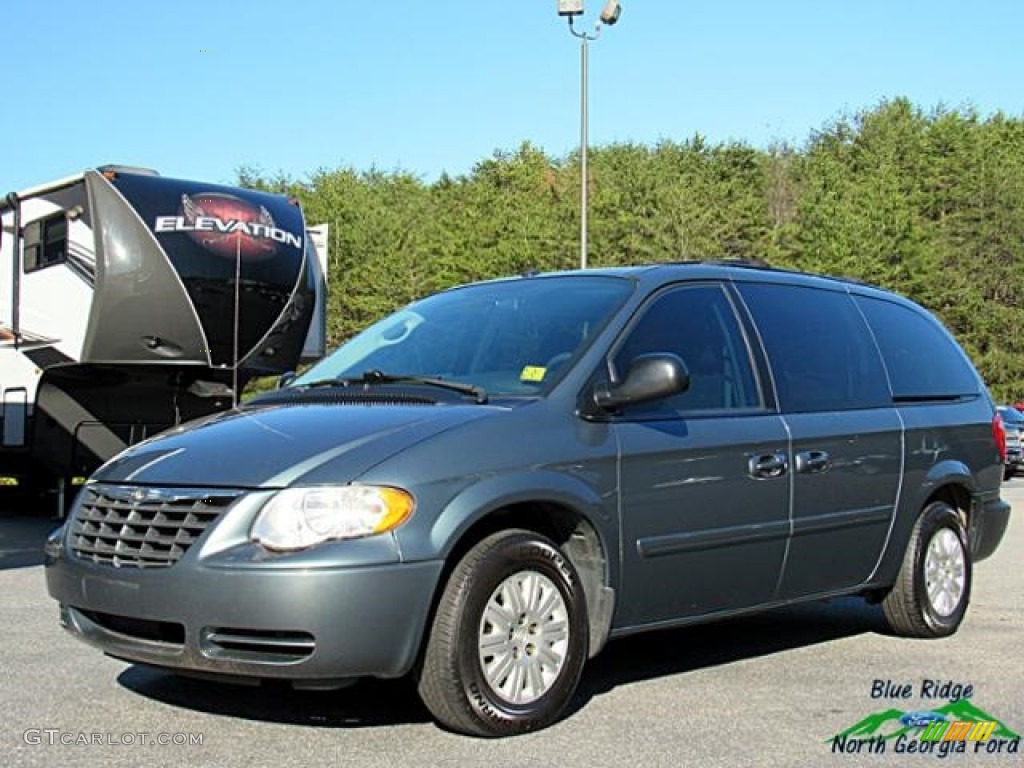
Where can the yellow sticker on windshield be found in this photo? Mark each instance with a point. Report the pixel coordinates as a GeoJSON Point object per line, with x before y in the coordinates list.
{"type": "Point", "coordinates": [533, 373]}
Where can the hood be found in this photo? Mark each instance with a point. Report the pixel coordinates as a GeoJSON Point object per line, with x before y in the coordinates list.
{"type": "Point", "coordinates": [277, 445]}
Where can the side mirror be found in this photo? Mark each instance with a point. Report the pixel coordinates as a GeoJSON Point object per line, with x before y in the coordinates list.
{"type": "Point", "coordinates": [650, 377]}
{"type": "Point", "coordinates": [285, 379]}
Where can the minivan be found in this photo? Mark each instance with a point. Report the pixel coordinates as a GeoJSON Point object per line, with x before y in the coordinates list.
{"type": "Point", "coordinates": [485, 487]}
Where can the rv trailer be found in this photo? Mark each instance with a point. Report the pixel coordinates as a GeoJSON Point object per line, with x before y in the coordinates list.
{"type": "Point", "coordinates": [131, 302]}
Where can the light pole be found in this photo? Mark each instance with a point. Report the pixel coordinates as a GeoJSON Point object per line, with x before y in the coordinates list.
{"type": "Point", "coordinates": [609, 15]}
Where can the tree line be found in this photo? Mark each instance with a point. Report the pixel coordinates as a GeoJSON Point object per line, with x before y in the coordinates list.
{"type": "Point", "coordinates": [928, 203]}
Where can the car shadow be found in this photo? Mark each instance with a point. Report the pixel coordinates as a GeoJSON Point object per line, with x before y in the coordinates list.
{"type": "Point", "coordinates": [678, 651]}
{"type": "Point", "coordinates": [22, 539]}
{"type": "Point", "coordinates": [622, 662]}
{"type": "Point", "coordinates": [367, 703]}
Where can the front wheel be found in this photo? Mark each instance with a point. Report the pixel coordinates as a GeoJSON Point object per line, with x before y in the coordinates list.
{"type": "Point", "coordinates": [930, 596]}
{"type": "Point", "coordinates": [509, 638]}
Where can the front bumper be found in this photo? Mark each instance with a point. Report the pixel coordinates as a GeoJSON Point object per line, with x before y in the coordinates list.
{"type": "Point", "coordinates": [228, 608]}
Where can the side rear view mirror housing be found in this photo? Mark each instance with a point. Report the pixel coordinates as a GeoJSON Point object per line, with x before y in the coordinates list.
{"type": "Point", "coordinates": [650, 377]}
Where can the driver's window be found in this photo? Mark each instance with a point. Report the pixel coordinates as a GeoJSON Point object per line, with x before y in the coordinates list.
{"type": "Point", "coordinates": [698, 324]}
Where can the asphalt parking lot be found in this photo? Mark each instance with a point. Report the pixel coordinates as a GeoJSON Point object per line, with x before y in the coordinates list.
{"type": "Point", "coordinates": [770, 690]}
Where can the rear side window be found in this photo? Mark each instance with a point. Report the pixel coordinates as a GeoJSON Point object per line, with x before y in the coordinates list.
{"type": "Point", "coordinates": [923, 360]}
{"type": "Point", "coordinates": [697, 323]}
{"type": "Point", "coordinates": [820, 350]}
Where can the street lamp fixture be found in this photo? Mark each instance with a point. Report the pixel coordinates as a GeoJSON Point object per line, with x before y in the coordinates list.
{"type": "Point", "coordinates": [609, 15]}
{"type": "Point", "coordinates": [610, 12]}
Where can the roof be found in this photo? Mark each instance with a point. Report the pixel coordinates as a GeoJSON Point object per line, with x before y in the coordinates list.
{"type": "Point", "coordinates": [67, 181]}
{"type": "Point", "coordinates": [719, 269]}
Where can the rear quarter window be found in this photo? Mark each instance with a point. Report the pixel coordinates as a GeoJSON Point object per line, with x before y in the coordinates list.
{"type": "Point", "coordinates": [923, 360]}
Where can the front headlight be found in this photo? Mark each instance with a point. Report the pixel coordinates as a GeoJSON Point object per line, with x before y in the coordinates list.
{"type": "Point", "coordinates": [297, 518]}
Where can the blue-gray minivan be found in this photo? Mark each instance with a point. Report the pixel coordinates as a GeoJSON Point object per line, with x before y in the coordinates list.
{"type": "Point", "coordinates": [483, 488]}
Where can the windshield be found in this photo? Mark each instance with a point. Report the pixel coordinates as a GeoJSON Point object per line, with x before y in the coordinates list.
{"type": "Point", "coordinates": [512, 337]}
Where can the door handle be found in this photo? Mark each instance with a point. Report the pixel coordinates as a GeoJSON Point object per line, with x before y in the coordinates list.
{"type": "Point", "coordinates": [768, 465]}
{"type": "Point", "coordinates": [812, 462]}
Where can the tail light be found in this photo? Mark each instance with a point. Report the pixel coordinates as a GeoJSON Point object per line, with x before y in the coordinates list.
{"type": "Point", "coordinates": [999, 434]}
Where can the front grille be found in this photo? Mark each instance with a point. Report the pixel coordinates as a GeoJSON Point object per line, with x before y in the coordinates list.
{"type": "Point", "coordinates": [140, 527]}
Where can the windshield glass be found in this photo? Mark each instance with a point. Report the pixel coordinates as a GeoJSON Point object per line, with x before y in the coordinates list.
{"type": "Point", "coordinates": [510, 338]}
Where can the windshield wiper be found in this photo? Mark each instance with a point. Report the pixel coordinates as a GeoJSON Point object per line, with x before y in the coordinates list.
{"type": "Point", "coordinates": [380, 377]}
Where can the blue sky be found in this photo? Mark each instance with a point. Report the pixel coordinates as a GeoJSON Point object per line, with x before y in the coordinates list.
{"type": "Point", "coordinates": [198, 89]}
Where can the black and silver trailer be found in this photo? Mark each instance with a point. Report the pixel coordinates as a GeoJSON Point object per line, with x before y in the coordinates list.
{"type": "Point", "coordinates": [131, 302]}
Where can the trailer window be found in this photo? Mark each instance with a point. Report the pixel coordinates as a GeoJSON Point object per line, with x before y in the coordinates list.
{"type": "Point", "coordinates": [46, 242]}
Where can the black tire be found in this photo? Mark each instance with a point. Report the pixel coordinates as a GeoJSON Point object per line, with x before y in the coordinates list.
{"type": "Point", "coordinates": [1009, 471]}
{"type": "Point", "coordinates": [923, 604]}
{"type": "Point", "coordinates": [453, 681]}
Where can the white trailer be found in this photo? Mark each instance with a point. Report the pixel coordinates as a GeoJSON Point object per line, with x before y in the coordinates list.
{"type": "Point", "coordinates": [131, 302]}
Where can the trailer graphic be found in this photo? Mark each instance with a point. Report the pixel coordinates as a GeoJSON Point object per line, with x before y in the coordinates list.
{"type": "Point", "coordinates": [131, 302]}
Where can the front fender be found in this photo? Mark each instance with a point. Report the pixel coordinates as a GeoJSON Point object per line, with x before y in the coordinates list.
{"type": "Point", "coordinates": [490, 495]}
{"type": "Point", "coordinates": [477, 501]}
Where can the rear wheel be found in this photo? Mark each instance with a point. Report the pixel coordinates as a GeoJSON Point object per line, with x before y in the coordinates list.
{"type": "Point", "coordinates": [931, 593]}
{"type": "Point", "coordinates": [509, 638]}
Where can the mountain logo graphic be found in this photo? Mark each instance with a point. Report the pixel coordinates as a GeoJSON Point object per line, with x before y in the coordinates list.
{"type": "Point", "coordinates": [892, 723]}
